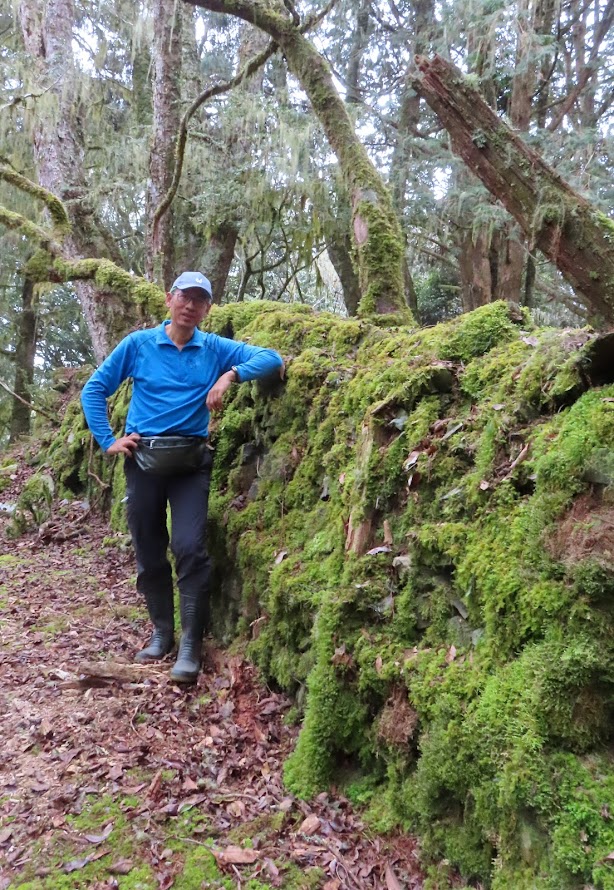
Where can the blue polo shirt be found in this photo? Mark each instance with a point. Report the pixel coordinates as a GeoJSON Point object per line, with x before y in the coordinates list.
{"type": "Point", "coordinates": [170, 385]}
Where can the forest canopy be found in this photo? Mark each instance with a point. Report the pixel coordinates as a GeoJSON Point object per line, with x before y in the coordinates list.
{"type": "Point", "coordinates": [288, 150]}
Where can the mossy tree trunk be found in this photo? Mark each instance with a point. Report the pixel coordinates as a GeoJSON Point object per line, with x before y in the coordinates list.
{"type": "Point", "coordinates": [557, 220]}
{"type": "Point", "coordinates": [376, 232]}
{"type": "Point", "coordinates": [339, 247]}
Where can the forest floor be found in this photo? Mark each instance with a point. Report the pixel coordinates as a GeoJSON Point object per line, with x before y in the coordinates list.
{"type": "Point", "coordinates": [112, 776]}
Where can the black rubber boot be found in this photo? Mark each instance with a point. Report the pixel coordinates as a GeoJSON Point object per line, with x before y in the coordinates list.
{"type": "Point", "coordinates": [160, 608]}
{"type": "Point", "coordinates": [187, 666]}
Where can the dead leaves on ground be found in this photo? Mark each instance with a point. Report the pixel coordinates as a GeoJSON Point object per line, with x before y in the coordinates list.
{"type": "Point", "coordinates": [82, 723]}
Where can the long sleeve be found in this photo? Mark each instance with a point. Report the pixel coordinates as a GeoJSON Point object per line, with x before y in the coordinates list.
{"type": "Point", "coordinates": [251, 362]}
{"type": "Point", "coordinates": [116, 368]}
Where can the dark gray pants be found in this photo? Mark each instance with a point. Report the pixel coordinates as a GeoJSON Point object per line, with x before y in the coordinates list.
{"type": "Point", "coordinates": [188, 497]}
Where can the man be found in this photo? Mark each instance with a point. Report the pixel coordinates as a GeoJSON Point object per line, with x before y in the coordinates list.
{"type": "Point", "coordinates": [179, 375]}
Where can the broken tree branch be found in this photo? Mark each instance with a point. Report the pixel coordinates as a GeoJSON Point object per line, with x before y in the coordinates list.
{"type": "Point", "coordinates": [568, 230]}
{"type": "Point", "coordinates": [28, 404]}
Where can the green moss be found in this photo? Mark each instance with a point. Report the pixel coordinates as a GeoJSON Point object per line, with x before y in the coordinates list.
{"type": "Point", "coordinates": [262, 828]}
{"type": "Point", "coordinates": [122, 843]}
{"type": "Point", "coordinates": [387, 532]}
{"type": "Point", "coordinates": [333, 723]}
{"type": "Point", "coordinates": [57, 211]}
{"type": "Point", "coordinates": [476, 333]}
{"type": "Point", "coordinates": [24, 227]}
{"type": "Point", "coordinates": [33, 505]}
{"type": "Point", "coordinates": [480, 551]}
{"type": "Point", "coordinates": [380, 261]}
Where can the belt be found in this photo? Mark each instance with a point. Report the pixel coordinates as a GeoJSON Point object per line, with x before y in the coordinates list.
{"type": "Point", "coordinates": [164, 440]}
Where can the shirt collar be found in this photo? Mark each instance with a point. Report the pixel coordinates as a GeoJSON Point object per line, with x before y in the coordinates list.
{"type": "Point", "coordinates": [162, 338]}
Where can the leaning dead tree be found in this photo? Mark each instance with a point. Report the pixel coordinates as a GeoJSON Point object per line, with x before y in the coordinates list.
{"type": "Point", "coordinates": [567, 229]}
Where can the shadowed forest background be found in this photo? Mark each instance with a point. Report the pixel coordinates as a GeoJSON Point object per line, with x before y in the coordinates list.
{"type": "Point", "coordinates": [412, 202]}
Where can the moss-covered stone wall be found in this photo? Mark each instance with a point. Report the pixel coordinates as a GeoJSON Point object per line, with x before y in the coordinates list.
{"type": "Point", "coordinates": [415, 533]}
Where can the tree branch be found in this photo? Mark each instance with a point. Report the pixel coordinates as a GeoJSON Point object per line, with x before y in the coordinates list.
{"type": "Point", "coordinates": [316, 17]}
{"type": "Point", "coordinates": [57, 211]}
{"type": "Point", "coordinates": [28, 404]}
{"type": "Point", "coordinates": [29, 230]}
{"type": "Point", "coordinates": [589, 69]}
{"type": "Point", "coordinates": [248, 69]}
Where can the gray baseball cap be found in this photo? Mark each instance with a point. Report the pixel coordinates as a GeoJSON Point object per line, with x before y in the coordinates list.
{"type": "Point", "coordinates": [192, 279]}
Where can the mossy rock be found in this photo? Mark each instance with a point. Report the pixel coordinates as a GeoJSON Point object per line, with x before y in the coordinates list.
{"type": "Point", "coordinates": [33, 505]}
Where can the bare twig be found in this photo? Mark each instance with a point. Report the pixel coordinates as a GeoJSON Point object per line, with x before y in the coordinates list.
{"type": "Point", "coordinates": [90, 472]}
{"type": "Point", "coordinates": [315, 19]}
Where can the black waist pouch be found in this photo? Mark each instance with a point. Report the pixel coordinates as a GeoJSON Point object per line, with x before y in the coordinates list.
{"type": "Point", "coordinates": [170, 455]}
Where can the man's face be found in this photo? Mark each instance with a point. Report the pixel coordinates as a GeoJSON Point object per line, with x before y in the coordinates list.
{"type": "Point", "coordinates": [188, 307]}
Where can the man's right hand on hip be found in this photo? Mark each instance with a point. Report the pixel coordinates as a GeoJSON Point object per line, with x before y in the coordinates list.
{"type": "Point", "coordinates": [124, 445]}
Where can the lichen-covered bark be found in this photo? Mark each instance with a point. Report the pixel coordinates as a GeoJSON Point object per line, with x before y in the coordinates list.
{"type": "Point", "coordinates": [48, 33]}
{"type": "Point", "coordinates": [556, 219]}
{"type": "Point", "coordinates": [146, 298]}
{"type": "Point", "coordinates": [474, 269]}
{"type": "Point", "coordinates": [219, 254]}
{"type": "Point", "coordinates": [376, 231]}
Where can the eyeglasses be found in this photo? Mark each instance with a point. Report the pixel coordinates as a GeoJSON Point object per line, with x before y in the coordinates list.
{"type": "Point", "coordinates": [185, 298]}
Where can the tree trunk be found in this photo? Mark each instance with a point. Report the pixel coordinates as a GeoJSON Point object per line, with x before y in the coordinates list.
{"type": "Point", "coordinates": [511, 256]}
{"type": "Point", "coordinates": [167, 54]}
{"type": "Point", "coordinates": [563, 225]}
{"type": "Point", "coordinates": [339, 247]}
{"type": "Point", "coordinates": [219, 256]}
{"type": "Point", "coordinates": [408, 121]}
{"type": "Point", "coordinates": [224, 235]}
{"type": "Point", "coordinates": [58, 152]}
{"type": "Point", "coordinates": [360, 40]}
{"type": "Point", "coordinates": [24, 363]}
{"type": "Point", "coordinates": [475, 269]}
{"type": "Point", "coordinates": [375, 228]}
{"type": "Point", "coordinates": [409, 112]}
{"type": "Point", "coordinates": [477, 252]}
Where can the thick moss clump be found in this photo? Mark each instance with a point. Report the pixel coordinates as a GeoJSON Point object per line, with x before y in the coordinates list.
{"type": "Point", "coordinates": [396, 515]}
{"type": "Point", "coordinates": [33, 506]}
{"type": "Point", "coordinates": [414, 532]}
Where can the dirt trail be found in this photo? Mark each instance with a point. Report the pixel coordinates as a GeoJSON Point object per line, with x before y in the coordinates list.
{"type": "Point", "coordinates": [130, 781]}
